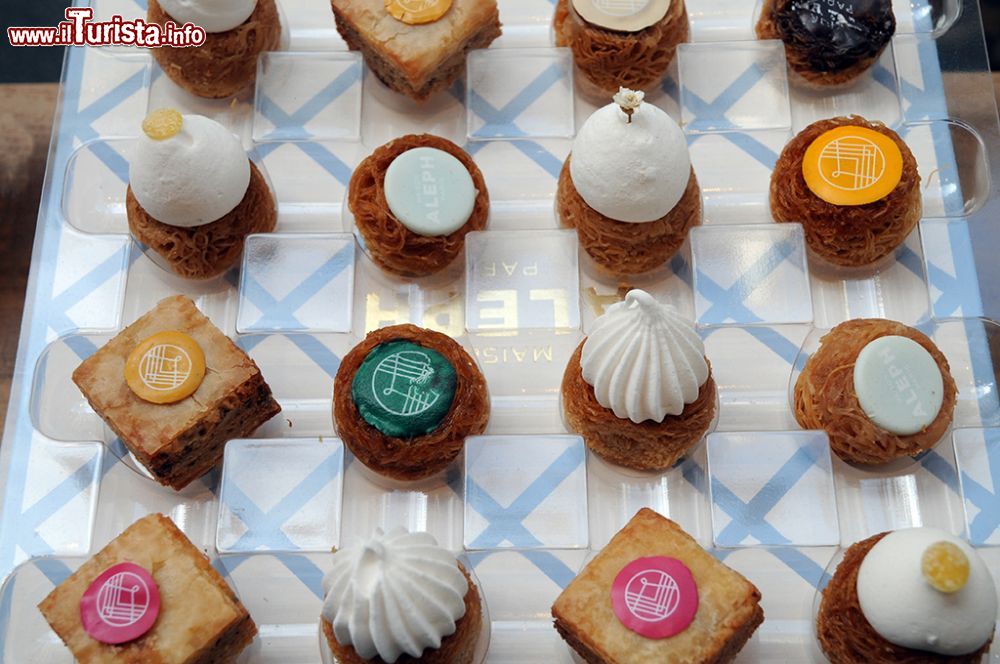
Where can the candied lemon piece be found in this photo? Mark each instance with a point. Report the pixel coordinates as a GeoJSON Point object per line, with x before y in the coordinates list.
{"type": "Point", "coordinates": [165, 368]}
{"type": "Point", "coordinates": [945, 566]}
{"type": "Point", "coordinates": [163, 123]}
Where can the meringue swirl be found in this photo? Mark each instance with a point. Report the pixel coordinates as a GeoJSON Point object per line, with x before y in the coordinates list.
{"type": "Point", "coordinates": [643, 359]}
{"type": "Point", "coordinates": [398, 593]}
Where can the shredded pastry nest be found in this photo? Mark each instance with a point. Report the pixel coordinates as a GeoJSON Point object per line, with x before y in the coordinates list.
{"type": "Point", "coordinates": [206, 251]}
{"type": "Point", "coordinates": [393, 246]}
{"type": "Point", "coordinates": [412, 458]}
{"type": "Point", "coordinates": [845, 634]}
{"type": "Point", "coordinates": [227, 61]}
{"type": "Point", "coordinates": [845, 235]}
{"type": "Point", "coordinates": [621, 248]}
{"type": "Point", "coordinates": [648, 445]}
{"type": "Point", "coordinates": [612, 59]}
{"type": "Point", "coordinates": [825, 398]}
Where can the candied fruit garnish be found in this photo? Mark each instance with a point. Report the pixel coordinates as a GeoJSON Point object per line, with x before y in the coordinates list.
{"type": "Point", "coordinates": [162, 124]}
{"type": "Point", "coordinates": [945, 566]}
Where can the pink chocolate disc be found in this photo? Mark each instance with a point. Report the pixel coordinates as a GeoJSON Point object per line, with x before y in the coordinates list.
{"type": "Point", "coordinates": [120, 605]}
{"type": "Point", "coordinates": [655, 597]}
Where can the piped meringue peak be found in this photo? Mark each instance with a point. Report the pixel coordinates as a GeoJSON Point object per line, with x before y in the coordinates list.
{"type": "Point", "coordinates": [187, 170]}
{"type": "Point", "coordinates": [397, 593]}
{"type": "Point", "coordinates": [630, 160]}
{"type": "Point", "coordinates": [644, 360]}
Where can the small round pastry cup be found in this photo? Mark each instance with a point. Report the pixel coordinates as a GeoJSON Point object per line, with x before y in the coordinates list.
{"type": "Point", "coordinates": [161, 261]}
{"type": "Point", "coordinates": [453, 272]}
{"type": "Point", "coordinates": [485, 629]}
{"type": "Point", "coordinates": [809, 347]}
{"type": "Point", "coordinates": [226, 64]}
{"type": "Point", "coordinates": [828, 574]}
{"type": "Point", "coordinates": [429, 252]}
{"type": "Point", "coordinates": [657, 56]}
{"type": "Point", "coordinates": [611, 470]}
{"type": "Point", "coordinates": [366, 437]}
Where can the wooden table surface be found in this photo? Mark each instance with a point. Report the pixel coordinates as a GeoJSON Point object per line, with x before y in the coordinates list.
{"type": "Point", "coordinates": [25, 124]}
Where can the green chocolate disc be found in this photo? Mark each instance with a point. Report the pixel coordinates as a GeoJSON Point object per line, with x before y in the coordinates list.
{"type": "Point", "coordinates": [403, 389]}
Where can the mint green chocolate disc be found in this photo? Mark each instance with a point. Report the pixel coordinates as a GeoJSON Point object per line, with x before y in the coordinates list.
{"type": "Point", "coordinates": [429, 191]}
{"type": "Point", "coordinates": [899, 385]}
{"type": "Point", "coordinates": [403, 389]}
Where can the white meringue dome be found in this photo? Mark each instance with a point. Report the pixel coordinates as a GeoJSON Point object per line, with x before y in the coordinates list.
{"type": "Point", "coordinates": [630, 172]}
{"type": "Point", "coordinates": [906, 610]}
{"type": "Point", "coordinates": [644, 360]}
{"type": "Point", "coordinates": [398, 593]}
{"type": "Point", "coordinates": [192, 178]}
{"type": "Point", "coordinates": [213, 15]}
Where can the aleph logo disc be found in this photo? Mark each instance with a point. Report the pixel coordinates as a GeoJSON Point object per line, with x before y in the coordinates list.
{"type": "Point", "coordinates": [655, 597]}
{"type": "Point", "coordinates": [164, 367]}
{"type": "Point", "coordinates": [120, 605]}
{"type": "Point", "coordinates": [399, 383]}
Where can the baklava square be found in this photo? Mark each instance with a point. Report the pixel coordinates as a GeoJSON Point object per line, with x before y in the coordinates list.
{"type": "Point", "coordinates": [682, 604]}
{"type": "Point", "coordinates": [199, 621]}
{"type": "Point", "coordinates": [181, 441]}
{"type": "Point", "coordinates": [417, 59]}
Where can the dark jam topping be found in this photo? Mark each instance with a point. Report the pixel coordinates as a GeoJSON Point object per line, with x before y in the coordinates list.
{"type": "Point", "coordinates": [834, 35]}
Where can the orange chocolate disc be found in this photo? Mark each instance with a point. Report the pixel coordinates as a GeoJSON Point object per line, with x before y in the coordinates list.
{"type": "Point", "coordinates": [165, 368]}
{"type": "Point", "coordinates": [416, 12]}
{"type": "Point", "coordinates": [852, 166]}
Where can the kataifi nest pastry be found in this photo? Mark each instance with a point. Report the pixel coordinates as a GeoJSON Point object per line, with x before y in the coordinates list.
{"type": "Point", "coordinates": [654, 595]}
{"type": "Point", "coordinates": [912, 596]}
{"type": "Point", "coordinates": [406, 398]}
{"type": "Point", "coordinates": [414, 200]}
{"type": "Point", "coordinates": [829, 43]}
{"type": "Point", "coordinates": [628, 187]}
{"type": "Point", "coordinates": [615, 49]}
{"type": "Point", "coordinates": [441, 610]}
{"type": "Point", "coordinates": [227, 62]}
{"type": "Point", "coordinates": [639, 388]}
{"type": "Point", "coordinates": [194, 196]}
{"type": "Point", "coordinates": [417, 47]}
{"type": "Point", "coordinates": [854, 187]}
{"type": "Point", "coordinates": [881, 390]}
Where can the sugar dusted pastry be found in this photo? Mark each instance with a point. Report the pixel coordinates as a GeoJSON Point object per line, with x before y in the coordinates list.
{"type": "Point", "coordinates": [829, 43]}
{"type": "Point", "coordinates": [149, 596]}
{"type": "Point", "coordinates": [880, 389]}
{"type": "Point", "coordinates": [417, 47]}
{"type": "Point", "coordinates": [615, 44]}
{"type": "Point", "coordinates": [654, 595]}
{"type": "Point", "coordinates": [912, 595]}
{"type": "Point", "coordinates": [628, 186]}
{"type": "Point", "coordinates": [414, 200]}
{"type": "Point", "coordinates": [194, 195]}
{"type": "Point", "coordinates": [854, 187]}
{"type": "Point", "coordinates": [399, 597]}
{"type": "Point", "coordinates": [406, 398]}
{"type": "Point", "coordinates": [639, 388]}
{"type": "Point", "coordinates": [175, 389]}
{"type": "Point", "coordinates": [238, 31]}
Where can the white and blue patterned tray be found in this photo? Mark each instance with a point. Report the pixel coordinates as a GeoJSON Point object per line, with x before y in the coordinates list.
{"type": "Point", "coordinates": [526, 503]}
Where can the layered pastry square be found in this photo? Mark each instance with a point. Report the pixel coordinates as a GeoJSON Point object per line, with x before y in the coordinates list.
{"type": "Point", "coordinates": [654, 595]}
{"type": "Point", "coordinates": [149, 596]}
{"type": "Point", "coordinates": [175, 422]}
{"type": "Point", "coordinates": [417, 47]}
